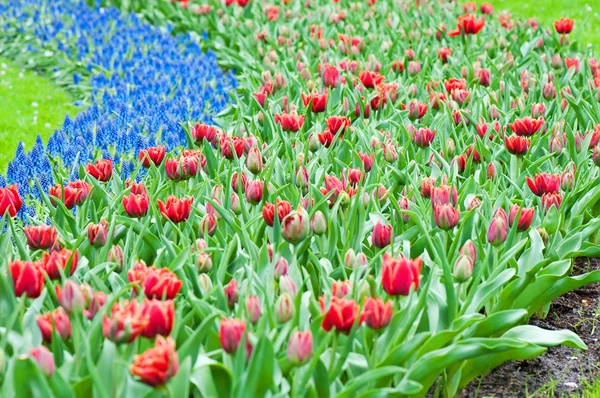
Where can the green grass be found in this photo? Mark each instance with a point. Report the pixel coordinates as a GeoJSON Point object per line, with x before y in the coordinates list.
{"type": "Point", "coordinates": [586, 14]}
{"type": "Point", "coordinates": [30, 105]}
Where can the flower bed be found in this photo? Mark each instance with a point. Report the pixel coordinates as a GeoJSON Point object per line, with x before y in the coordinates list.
{"type": "Point", "coordinates": [397, 189]}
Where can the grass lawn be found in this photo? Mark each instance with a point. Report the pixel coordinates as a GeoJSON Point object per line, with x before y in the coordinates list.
{"type": "Point", "coordinates": [30, 105]}
{"type": "Point", "coordinates": [586, 14]}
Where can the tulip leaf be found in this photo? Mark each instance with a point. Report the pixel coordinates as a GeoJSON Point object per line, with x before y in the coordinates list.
{"type": "Point", "coordinates": [366, 379]}
{"type": "Point", "coordinates": [545, 338]}
{"type": "Point", "coordinates": [179, 385]}
{"type": "Point", "coordinates": [192, 344]}
{"type": "Point", "coordinates": [258, 379]}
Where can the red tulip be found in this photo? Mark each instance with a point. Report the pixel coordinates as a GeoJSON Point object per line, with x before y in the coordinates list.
{"type": "Point", "coordinates": [51, 262]}
{"type": "Point", "coordinates": [55, 320]}
{"type": "Point", "coordinates": [550, 199]}
{"type": "Point", "coordinates": [71, 195]}
{"type": "Point", "coordinates": [486, 8]}
{"type": "Point", "coordinates": [203, 132]}
{"type": "Point", "coordinates": [376, 314]}
{"type": "Point", "coordinates": [160, 315]}
{"type": "Point", "coordinates": [254, 161]}
{"type": "Point", "coordinates": [338, 124]}
{"type": "Point", "coordinates": [235, 178]}
{"type": "Point", "coordinates": [40, 236]}
{"type": "Point", "coordinates": [526, 126]}
{"type": "Point", "coordinates": [156, 283]}
{"type": "Point", "coordinates": [176, 210]}
{"type": "Point", "coordinates": [498, 230]}
{"type": "Point", "coordinates": [467, 25]}
{"type": "Point", "coordinates": [289, 121]}
{"type": "Point", "coordinates": [232, 147]}
{"type": "Point", "coordinates": [444, 194]}
{"type": "Point", "coordinates": [444, 53]}
{"type": "Point", "coordinates": [427, 185]}
{"type": "Point", "coordinates": [232, 293]}
{"type": "Point", "coordinates": [153, 154]}
{"type": "Point", "coordinates": [28, 278]}
{"type": "Point", "coordinates": [370, 79]}
{"type": "Point", "coordinates": [564, 26]}
{"type": "Point", "coordinates": [326, 138]}
{"type": "Point", "coordinates": [124, 322]}
{"type": "Point", "coordinates": [423, 137]}
{"type": "Point", "coordinates": [10, 201]}
{"type": "Point", "coordinates": [445, 216]}
{"type": "Point", "coordinates": [544, 183]}
{"type": "Point", "coordinates": [295, 227]}
{"type": "Point", "coordinates": [71, 296]}
{"type": "Point", "coordinates": [44, 360]}
{"type": "Point", "coordinates": [382, 235]}
{"type": "Point", "coordinates": [401, 274]}
{"type": "Point", "coordinates": [516, 145]}
{"type": "Point", "coordinates": [96, 302]}
{"type": "Point", "coordinates": [300, 347]}
{"type": "Point", "coordinates": [318, 102]}
{"type": "Point", "coordinates": [158, 364]}
{"type": "Point", "coordinates": [136, 205]}
{"type": "Point", "coordinates": [524, 219]}
{"type": "Point", "coordinates": [367, 161]}
{"type": "Point", "coordinates": [341, 314]}
{"type": "Point", "coordinates": [98, 233]}
{"type": "Point", "coordinates": [254, 192]}
{"type": "Point", "coordinates": [283, 209]}
{"type": "Point", "coordinates": [230, 334]}
{"type": "Point", "coordinates": [102, 170]}
{"type": "Point", "coordinates": [416, 110]}
{"type": "Point", "coordinates": [331, 76]}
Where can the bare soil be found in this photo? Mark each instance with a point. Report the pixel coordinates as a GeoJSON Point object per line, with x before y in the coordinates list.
{"type": "Point", "coordinates": [561, 371]}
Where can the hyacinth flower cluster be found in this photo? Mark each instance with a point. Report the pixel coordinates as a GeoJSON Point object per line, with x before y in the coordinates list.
{"type": "Point", "coordinates": [142, 82]}
{"type": "Point", "coordinates": [377, 213]}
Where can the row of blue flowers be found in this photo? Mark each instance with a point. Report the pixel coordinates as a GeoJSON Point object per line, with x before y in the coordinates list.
{"type": "Point", "coordinates": [144, 83]}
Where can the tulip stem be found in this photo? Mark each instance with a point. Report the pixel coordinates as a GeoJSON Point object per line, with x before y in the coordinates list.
{"type": "Point", "coordinates": [333, 354]}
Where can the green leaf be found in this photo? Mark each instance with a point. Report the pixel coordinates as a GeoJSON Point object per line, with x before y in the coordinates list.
{"type": "Point", "coordinates": [546, 338]}
{"type": "Point", "coordinates": [364, 380]}
{"type": "Point", "coordinates": [179, 386]}
{"type": "Point", "coordinates": [258, 379]}
{"type": "Point", "coordinates": [211, 378]}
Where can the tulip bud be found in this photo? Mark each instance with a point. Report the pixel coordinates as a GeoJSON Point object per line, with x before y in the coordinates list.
{"type": "Point", "coordinates": [254, 192]}
{"type": "Point", "coordinates": [71, 297]}
{"type": "Point", "coordinates": [596, 155]}
{"type": "Point", "coordinates": [469, 250]}
{"type": "Point", "coordinates": [200, 245]}
{"type": "Point", "coordinates": [382, 235]}
{"type": "Point", "coordinates": [287, 285]}
{"type": "Point", "coordinates": [300, 347]}
{"type": "Point", "coordinates": [350, 259]}
{"type": "Point", "coordinates": [497, 231]}
{"type": "Point", "coordinates": [253, 308]}
{"type": "Point", "coordinates": [98, 233]}
{"type": "Point", "coordinates": [284, 308]}
{"type": "Point", "coordinates": [491, 171]}
{"type": "Point", "coordinates": [236, 206]}
{"type": "Point", "coordinates": [389, 153]}
{"type": "Point", "coordinates": [281, 268]}
{"type": "Point", "coordinates": [44, 360]}
{"type": "Point", "coordinates": [319, 223]}
{"type": "Point", "coordinates": [254, 161]}
{"type": "Point", "coordinates": [544, 235]}
{"type": "Point", "coordinates": [208, 225]}
{"type": "Point", "coordinates": [446, 216]}
{"type": "Point", "coordinates": [463, 269]}
{"type": "Point", "coordinates": [296, 226]}
{"type": "Point", "coordinates": [115, 255]}
{"type": "Point", "coordinates": [450, 147]}
{"type": "Point", "coordinates": [232, 292]}
{"type": "Point", "coordinates": [205, 282]}
{"type": "Point", "coordinates": [203, 262]}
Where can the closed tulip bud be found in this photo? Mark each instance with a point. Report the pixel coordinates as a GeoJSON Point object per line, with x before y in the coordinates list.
{"type": "Point", "coordinates": [296, 226]}
{"type": "Point", "coordinates": [302, 179]}
{"type": "Point", "coordinates": [98, 233]}
{"type": "Point", "coordinates": [287, 285]}
{"type": "Point", "coordinates": [557, 62]}
{"type": "Point", "coordinates": [491, 171]}
{"type": "Point", "coordinates": [450, 147]}
{"type": "Point", "coordinates": [463, 269]}
{"type": "Point", "coordinates": [313, 142]}
{"type": "Point", "coordinates": [232, 292]}
{"type": "Point", "coordinates": [231, 332]}
{"type": "Point", "coordinates": [567, 181]}
{"type": "Point", "coordinates": [549, 200]}
{"type": "Point", "coordinates": [199, 245]}
{"type": "Point", "coordinates": [253, 308]}
{"type": "Point", "coordinates": [205, 282]}
{"type": "Point", "coordinates": [300, 347]}
{"type": "Point", "coordinates": [58, 321]}
{"type": "Point", "coordinates": [414, 67]}
{"type": "Point", "coordinates": [208, 225]}
{"type": "Point", "coordinates": [555, 145]}
{"type": "Point", "coordinates": [281, 268]}
{"type": "Point", "coordinates": [497, 231]}
{"type": "Point", "coordinates": [71, 297]}
{"type": "Point", "coordinates": [341, 288]}
{"type": "Point", "coordinates": [284, 308]}
{"type": "Point", "coordinates": [44, 360]}
{"type": "Point", "coordinates": [544, 235]}
{"type": "Point", "coordinates": [203, 262]}
{"type": "Point", "coordinates": [350, 259]}
{"type": "Point", "coordinates": [404, 204]}
{"type": "Point", "coordinates": [538, 110]}
{"type": "Point", "coordinates": [596, 155]}
{"type": "Point", "coordinates": [254, 192]}
{"type": "Point", "coordinates": [362, 260]}
{"type": "Point", "coordinates": [469, 250]}
{"type": "Point", "coordinates": [254, 161]}
{"type": "Point", "coordinates": [319, 223]}
{"type": "Point", "coordinates": [115, 255]}
{"type": "Point", "coordinates": [472, 202]}
{"type": "Point", "coordinates": [236, 205]}
{"type": "Point", "coordinates": [382, 235]}
{"type": "Point", "coordinates": [389, 153]}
